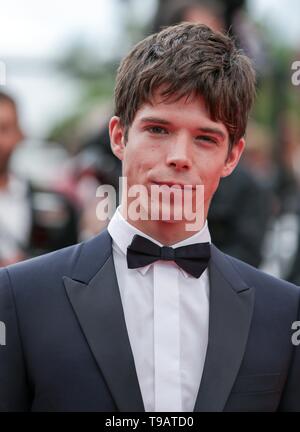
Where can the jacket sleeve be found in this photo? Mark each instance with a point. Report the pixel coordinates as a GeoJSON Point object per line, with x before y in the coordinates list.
{"type": "Point", "coordinates": [14, 389]}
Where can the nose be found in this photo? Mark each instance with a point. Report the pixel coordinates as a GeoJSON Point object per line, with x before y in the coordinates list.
{"type": "Point", "coordinates": [178, 156]}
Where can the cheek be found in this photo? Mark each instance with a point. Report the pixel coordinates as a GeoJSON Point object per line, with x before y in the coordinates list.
{"type": "Point", "coordinates": [210, 176]}
{"type": "Point", "coordinates": [136, 165]}
{"type": "Point", "coordinates": [142, 152]}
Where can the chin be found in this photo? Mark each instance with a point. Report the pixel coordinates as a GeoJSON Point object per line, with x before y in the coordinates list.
{"type": "Point", "coordinates": [169, 216]}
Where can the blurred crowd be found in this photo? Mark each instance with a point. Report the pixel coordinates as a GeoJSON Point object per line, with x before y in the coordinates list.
{"type": "Point", "coordinates": [255, 214]}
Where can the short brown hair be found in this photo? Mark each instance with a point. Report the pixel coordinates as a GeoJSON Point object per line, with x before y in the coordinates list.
{"type": "Point", "coordinates": [186, 59]}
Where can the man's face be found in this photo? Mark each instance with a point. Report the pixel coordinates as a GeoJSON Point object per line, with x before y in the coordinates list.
{"type": "Point", "coordinates": [175, 142]}
{"type": "Point", "coordinates": [10, 133]}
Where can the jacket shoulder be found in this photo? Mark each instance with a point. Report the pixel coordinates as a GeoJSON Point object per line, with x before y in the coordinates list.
{"type": "Point", "coordinates": [79, 261]}
{"type": "Point", "coordinates": [263, 281]}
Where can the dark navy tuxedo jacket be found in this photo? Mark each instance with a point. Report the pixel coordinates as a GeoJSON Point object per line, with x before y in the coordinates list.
{"type": "Point", "coordinates": [67, 347]}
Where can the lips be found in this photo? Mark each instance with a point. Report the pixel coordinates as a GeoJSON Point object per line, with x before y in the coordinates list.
{"type": "Point", "coordinates": [178, 185]}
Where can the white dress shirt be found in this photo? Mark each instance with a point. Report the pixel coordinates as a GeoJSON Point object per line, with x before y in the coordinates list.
{"type": "Point", "coordinates": [167, 313]}
{"type": "Point", "coordinates": [15, 218]}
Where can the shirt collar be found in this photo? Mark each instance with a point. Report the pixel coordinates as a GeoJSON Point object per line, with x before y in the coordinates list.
{"type": "Point", "coordinates": [122, 233]}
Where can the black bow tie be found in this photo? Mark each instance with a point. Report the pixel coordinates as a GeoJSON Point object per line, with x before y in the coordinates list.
{"type": "Point", "coordinates": [192, 258]}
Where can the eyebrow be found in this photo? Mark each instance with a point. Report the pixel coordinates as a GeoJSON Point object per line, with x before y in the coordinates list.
{"type": "Point", "coordinates": [207, 129]}
{"type": "Point", "coordinates": [154, 120]}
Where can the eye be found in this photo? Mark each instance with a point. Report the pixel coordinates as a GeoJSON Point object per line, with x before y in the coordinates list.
{"type": "Point", "coordinates": [206, 138]}
{"type": "Point", "coordinates": [157, 130]}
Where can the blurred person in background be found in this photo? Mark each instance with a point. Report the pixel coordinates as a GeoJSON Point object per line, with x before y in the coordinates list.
{"type": "Point", "coordinates": [15, 212]}
{"type": "Point", "coordinates": [282, 245]}
{"type": "Point", "coordinates": [239, 215]}
{"type": "Point", "coordinates": [94, 165]}
{"type": "Point", "coordinates": [244, 203]}
{"type": "Point", "coordinates": [208, 12]}
{"type": "Point", "coordinates": [33, 220]}
{"type": "Point", "coordinates": [294, 271]}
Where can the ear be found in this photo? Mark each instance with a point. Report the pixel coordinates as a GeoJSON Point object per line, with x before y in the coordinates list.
{"type": "Point", "coordinates": [233, 158]}
{"type": "Point", "coordinates": [117, 138]}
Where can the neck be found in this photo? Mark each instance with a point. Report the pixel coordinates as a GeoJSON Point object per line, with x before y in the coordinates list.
{"type": "Point", "coordinates": [165, 232]}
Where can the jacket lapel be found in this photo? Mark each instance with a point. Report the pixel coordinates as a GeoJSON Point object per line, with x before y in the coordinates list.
{"type": "Point", "coordinates": [97, 304]}
{"type": "Point", "coordinates": [231, 306]}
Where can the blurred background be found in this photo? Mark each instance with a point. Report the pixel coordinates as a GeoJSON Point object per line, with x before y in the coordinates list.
{"type": "Point", "coordinates": [58, 62]}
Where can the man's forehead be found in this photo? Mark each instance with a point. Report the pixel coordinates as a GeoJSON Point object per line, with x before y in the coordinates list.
{"type": "Point", "coordinates": [158, 102]}
{"type": "Point", "coordinates": [158, 97]}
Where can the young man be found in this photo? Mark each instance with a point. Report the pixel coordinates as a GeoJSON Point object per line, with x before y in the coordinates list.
{"type": "Point", "coordinates": [149, 315]}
